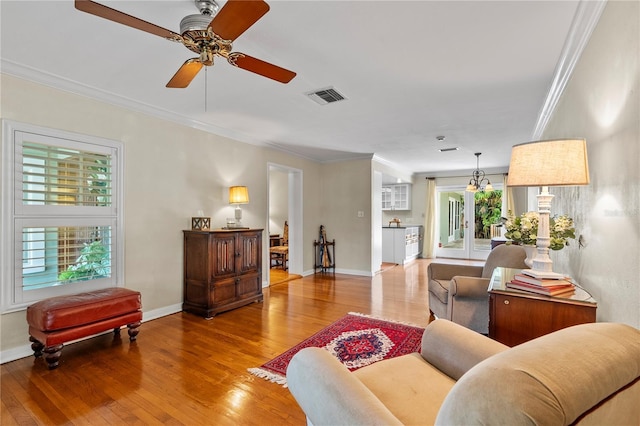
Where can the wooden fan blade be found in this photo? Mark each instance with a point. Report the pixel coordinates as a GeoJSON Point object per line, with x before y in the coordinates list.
{"type": "Point", "coordinates": [106, 12]}
{"type": "Point", "coordinates": [185, 74]}
{"type": "Point", "coordinates": [236, 16]}
{"type": "Point", "coordinates": [261, 67]}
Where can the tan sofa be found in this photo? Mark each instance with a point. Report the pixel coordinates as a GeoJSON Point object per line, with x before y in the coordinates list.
{"type": "Point", "coordinates": [586, 374]}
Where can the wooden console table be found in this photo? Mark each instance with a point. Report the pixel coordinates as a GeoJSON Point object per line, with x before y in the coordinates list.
{"type": "Point", "coordinates": [518, 316]}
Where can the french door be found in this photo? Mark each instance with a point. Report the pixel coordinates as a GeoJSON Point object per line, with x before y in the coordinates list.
{"type": "Point", "coordinates": [464, 222]}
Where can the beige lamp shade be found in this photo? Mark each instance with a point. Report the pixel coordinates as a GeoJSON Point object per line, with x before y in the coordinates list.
{"type": "Point", "coordinates": [238, 195]}
{"type": "Point", "coordinates": [561, 162]}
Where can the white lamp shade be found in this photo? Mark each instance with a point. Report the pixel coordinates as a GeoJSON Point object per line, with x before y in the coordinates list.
{"type": "Point", "coordinates": [238, 195]}
{"type": "Point", "coordinates": [561, 162]}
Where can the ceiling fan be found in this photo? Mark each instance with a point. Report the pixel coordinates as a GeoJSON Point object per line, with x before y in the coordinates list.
{"type": "Point", "coordinates": [208, 34]}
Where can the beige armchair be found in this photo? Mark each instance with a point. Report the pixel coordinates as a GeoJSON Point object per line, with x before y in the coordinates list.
{"type": "Point", "coordinates": [459, 292]}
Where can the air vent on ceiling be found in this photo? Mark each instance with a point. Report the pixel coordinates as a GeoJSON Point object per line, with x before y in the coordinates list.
{"type": "Point", "coordinates": [447, 149]}
{"type": "Point", "coordinates": [325, 96]}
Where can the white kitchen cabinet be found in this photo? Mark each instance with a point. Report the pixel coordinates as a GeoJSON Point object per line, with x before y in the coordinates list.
{"type": "Point", "coordinates": [396, 197]}
{"type": "Point", "coordinates": [401, 245]}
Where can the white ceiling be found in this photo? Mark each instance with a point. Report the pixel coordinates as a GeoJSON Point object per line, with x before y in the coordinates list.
{"type": "Point", "coordinates": [477, 72]}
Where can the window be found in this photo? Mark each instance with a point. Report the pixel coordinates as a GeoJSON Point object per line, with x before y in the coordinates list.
{"type": "Point", "coordinates": [61, 215]}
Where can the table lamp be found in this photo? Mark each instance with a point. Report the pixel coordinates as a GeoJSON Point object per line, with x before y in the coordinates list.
{"type": "Point", "coordinates": [238, 195]}
{"type": "Point", "coordinates": [560, 162]}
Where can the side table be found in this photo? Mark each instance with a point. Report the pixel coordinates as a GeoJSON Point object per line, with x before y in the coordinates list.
{"type": "Point", "coordinates": [518, 316]}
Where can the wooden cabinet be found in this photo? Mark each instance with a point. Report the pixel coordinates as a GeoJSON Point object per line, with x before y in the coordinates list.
{"type": "Point", "coordinates": [517, 316]}
{"type": "Point", "coordinates": [222, 270]}
{"type": "Point", "coordinates": [396, 197]}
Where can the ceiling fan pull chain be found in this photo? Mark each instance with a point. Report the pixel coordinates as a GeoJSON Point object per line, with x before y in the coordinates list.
{"type": "Point", "coordinates": [206, 92]}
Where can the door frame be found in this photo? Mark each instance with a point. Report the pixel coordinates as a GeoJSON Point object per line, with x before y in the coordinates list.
{"type": "Point", "coordinates": [468, 250]}
{"type": "Point", "coordinates": [294, 213]}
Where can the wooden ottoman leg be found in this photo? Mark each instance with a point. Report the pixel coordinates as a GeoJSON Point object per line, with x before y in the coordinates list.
{"type": "Point", "coordinates": [36, 346]}
{"type": "Point", "coordinates": [133, 330]}
{"type": "Point", "coordinates": [53, 355]}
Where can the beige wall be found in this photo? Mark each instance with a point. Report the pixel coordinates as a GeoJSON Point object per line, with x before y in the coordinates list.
{"type": "Point", "coordinates": [346, 189]}
{"type": "Point", "coordinates": [172, 172]}
{"type": "Point", "coordinates": [602, 104]}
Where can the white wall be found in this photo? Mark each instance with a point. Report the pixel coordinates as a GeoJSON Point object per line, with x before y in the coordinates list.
{"type": "Point", "coordinates": [278, 200]}
{"type": "Point", "coordinates": [602, 104]}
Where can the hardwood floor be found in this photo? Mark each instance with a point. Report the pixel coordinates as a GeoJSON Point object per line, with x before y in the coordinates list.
{"type": "Point", "coordinates": [184, 369]}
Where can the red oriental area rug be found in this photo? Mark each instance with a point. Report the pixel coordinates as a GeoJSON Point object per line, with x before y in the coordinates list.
{"type": "Point", "coordinates": [356, 340]}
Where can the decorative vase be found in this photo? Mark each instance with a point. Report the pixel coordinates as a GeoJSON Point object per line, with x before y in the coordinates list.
{"type": "Point", "coordinates": [531, 254]}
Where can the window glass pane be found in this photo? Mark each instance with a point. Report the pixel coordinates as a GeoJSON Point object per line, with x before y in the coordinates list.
{"type": "Point", "coordinates": [452, 230]}
{"type": "Point", "coordinates": [56, 256]}
{"type": "Point", "coordinates": [488, 209]}
{"type": "Point", "coordinates": [54, 175]}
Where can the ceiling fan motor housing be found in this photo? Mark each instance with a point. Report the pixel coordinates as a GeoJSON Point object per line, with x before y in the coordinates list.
{"type": "Point", "coordinates": [195, 22]}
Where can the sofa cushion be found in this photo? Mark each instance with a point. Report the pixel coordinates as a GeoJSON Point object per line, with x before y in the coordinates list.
{"type": "Point", "coordinates": [454, 350]}
{"type": "Point", "coordinates": [424, 387]}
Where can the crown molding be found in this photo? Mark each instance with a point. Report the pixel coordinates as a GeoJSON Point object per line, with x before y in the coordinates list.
{"type": "Point", "coordinates": [584, 22]}
{"type": "Point", "coordinates": [60, 83]}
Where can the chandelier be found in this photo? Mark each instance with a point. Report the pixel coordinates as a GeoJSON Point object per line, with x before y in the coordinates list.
{"type": "Point", "coordinates": [477, 179]}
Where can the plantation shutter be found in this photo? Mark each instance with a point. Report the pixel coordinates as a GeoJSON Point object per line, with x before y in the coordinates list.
{"type": "Point", "coordinates": [65, 215]}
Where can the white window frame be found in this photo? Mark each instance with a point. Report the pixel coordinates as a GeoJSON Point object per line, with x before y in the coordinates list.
{"type": "Point", "coordinates": [15, 215]}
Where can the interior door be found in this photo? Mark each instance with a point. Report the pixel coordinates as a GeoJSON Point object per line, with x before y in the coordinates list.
{"type": "Point", "coordinates": [464, 222]}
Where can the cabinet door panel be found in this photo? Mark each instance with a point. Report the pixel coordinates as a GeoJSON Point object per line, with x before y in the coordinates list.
{"type": "Point", "coordinates": [196, 265]}
{"type": "Point", "coordinates": [249, 285]}
{"type": "Point", "coordinates": [224, 255]}
{"type": "Point", "coordinates": [223, 292]}
{"type": "Point", "coordinates": [196, 292]}
{"type": "Point", "coordinates": [250, 247]}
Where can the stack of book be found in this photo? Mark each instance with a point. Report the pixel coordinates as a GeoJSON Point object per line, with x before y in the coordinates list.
{"type": "Point", "coordinates": [546, 286]}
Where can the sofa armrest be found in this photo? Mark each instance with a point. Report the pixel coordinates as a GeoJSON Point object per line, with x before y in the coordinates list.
{"type": "Point", "coordinates": [446, 271]}
{"type": "Point", "coordinates": [470, 287]}
{"type": "Point", "coordinates": [329, 394]}
{"type": "Point", "coordinates": [454, 349]}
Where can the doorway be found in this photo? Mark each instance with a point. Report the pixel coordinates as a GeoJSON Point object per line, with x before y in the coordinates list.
{"type": "Point", "coordinates": [285, 203]}
{"type": "Point", "coordinates": [464, 221]}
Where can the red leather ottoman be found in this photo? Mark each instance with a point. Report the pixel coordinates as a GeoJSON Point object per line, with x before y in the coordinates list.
{"type": "Point", "coordinates": [57, 320]}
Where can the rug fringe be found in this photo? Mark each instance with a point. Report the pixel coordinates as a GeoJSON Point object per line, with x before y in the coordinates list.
{"type": "Point", "coordinates": [360, 314]}
{"type": "Point", "coordinates": [268, 375]}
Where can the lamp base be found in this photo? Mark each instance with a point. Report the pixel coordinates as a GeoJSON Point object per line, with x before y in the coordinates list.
{"type": "Point", "coordinates": [545, 275]}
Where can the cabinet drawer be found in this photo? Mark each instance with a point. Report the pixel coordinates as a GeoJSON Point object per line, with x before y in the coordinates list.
{"type": "Point", "coordinates": [514, 319]}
